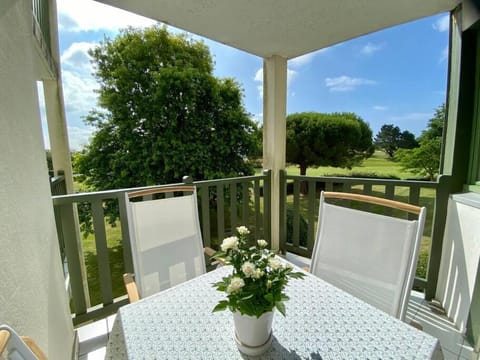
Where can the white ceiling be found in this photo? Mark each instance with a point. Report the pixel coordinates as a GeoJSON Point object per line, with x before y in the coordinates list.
{"type": "Point", "coordinates": [288, 28]}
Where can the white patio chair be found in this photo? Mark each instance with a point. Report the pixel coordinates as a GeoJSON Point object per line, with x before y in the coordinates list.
{"type": "Point", "coordinates": [371, 256]}
{"type": "Point", "coordinates": [16, 347]}
{"type": "Point", "coordinates": [166, 240]}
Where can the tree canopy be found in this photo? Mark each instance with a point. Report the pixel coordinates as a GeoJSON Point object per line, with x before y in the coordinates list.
{"type": "Point", "coordinates": [425, 159]}
{"type": "Point", "coordinates": [163, 114]}
{"type": "Point", "coordinates": [390, 138]}
{"type": "Point", "coordinates": [338, 139]}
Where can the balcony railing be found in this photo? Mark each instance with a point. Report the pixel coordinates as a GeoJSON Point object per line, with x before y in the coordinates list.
{"type": "Point", "coordinates": [97, 259]}
{"type": "Point", "coordinates": [42, 30]}
{"type": "Point", "coordinates": [300, 194]}
{"type": "Point", "coordinates": [96, 274]}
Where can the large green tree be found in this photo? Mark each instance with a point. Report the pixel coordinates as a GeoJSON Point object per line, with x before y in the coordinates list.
{"type": "Point", "coordinates": [425, 159]}
{"type": "Point", "coordinates": [338, 139]}
{"type": "Point", "coordinates": [163, 114]}
{"type": "Point", "coordinates": [390, 138]}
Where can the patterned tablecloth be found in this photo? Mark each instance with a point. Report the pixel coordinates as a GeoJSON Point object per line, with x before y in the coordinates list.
{"type": "Point", "coordinates": [322, 322]}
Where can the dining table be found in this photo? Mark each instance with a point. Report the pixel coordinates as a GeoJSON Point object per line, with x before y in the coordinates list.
{"type": "Point", "coordinates": [321, 322]}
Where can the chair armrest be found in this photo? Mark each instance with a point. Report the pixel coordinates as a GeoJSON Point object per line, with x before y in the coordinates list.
{"type": "Point", "coordinates": [131, 287]}
{"type": "Point", "coordinates": [4, 336]}
{"type": "Point", "coordinates": [34, 347]}
{"type": "Point", "coordinates": [210, 252]}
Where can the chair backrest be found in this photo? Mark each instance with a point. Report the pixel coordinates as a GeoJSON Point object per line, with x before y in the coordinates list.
{"type": "Point", "coordinates": [371, 256]}
{"type": "Point", "coordinates": [165, 237]}
{"type": "Point", "coordinates": [15, 347]}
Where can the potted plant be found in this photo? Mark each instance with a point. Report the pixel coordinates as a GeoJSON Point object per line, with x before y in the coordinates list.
{"type": "Point", "coordinates": [254, 289]}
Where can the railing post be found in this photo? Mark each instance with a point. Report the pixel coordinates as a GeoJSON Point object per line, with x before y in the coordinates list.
{"type": "Point", "coordinates": [267, 204]}
{"type": "Point", "coordinates": [283, 211]}
{"type": "Point", "coordinates": [127, 249]}
{"type": "Point", "coordinates": [75, 262]}
{"type": "Point", "coordinates": [187, 180]}
{"type": "Point", "coordinates": [438, 228]}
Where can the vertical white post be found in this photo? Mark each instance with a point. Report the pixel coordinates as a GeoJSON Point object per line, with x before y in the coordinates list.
{"type": "Point", "coordinates": [274, 132]}
{"type": "Point", "coordinates": [57, 131]}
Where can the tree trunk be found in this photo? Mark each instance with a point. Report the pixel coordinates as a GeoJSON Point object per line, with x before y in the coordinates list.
{"type": "Point", "coordinates": [303, 184]}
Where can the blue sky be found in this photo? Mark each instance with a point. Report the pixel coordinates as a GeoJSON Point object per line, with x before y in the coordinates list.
{"type": "Point", "coordinates": [394, 76]}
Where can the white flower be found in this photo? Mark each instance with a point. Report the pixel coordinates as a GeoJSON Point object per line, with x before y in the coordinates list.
{"type": "Point", "coordinates": [248, 269]}
{"type": "Point", "coordinates": [229, 243]}
{"type": "Point", "coordinates": [269, 284]}
{"type": "Point", "coordinates": [258, 273]}
{"type": "Point", "coordinates": [243, 230]}
{"type": "Point", "coordinates": [262, 243]}
{"type": "Point", "coordinates": [275, 264]}
{"type": "Point", "coordinates": [235, 285]}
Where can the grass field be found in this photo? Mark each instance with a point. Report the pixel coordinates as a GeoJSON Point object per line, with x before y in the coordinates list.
{"type": "Point", "coordinates": [378, 165]}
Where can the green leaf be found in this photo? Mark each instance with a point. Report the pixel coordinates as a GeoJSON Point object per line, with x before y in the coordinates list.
{"type": "Point", "coordinates": [222, 305]}
{"type": "Point", "coordinates": [296, 275]}
{"type": "Point", "coordinates": [269, 297]}
{"type": "Point", "coordinates": [280, 307]}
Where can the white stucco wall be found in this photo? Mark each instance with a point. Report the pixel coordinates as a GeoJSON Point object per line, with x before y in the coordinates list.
{"type": "Point", "coordinates": [460, 257]}
{"type": "Point", "coordinates": [32, 295]}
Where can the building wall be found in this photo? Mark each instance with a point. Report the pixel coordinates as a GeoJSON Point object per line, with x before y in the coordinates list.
{"type": "Point", "coordinates": [33, 299]}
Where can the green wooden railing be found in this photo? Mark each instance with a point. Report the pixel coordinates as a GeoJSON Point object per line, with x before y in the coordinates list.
{"type": "Point", "coordinates": [41, 14]}
{"type": "Point", "coordinates": [223, 205]}
{"type": "Point", "coordinates": [300, 195]}
{"type": "Point", "coordinates": [42, 31]}
{"type": "Point", "coordinates": [58, 185]}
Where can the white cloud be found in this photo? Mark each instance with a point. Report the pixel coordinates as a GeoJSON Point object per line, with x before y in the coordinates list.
{"type": "Point", "coordinates": [79, 137]}
{"type": "Point", "coordinates": [79, 91]}
{"type": "Point", "coordinates": [380, 108]}
{"type": "Point", "coordinates": [346, 83]}
{"type": "Point", "coordinates": [258, 118]}
{"type": "Point", "coordinates": [305, 59]}
{"type": "Point", "coordinates": [76, 57]}
{"type": "Point", "coordinates": [370, 48]}
{"type": "Point", "coordinates": [259, 75]}
{"type": "Point", "coordinates": [291, 75]}
{"type": "Point", "coordinates": [79, 88]}
{"type": "Point", "coordinates": [259, 78]}
{"type": "Point", "coordinates": [443, 55]}
{"type": "Point", "coordinates": [442, 24]}
{"type": "Point", "coordinates": [89, 15]}
{"type": "Point", "coordinates": [302, 60]}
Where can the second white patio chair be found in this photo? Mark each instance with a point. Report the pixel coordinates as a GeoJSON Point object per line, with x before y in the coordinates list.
{"type": "Point", "coordinates": [371, 256]}
{"type": "Point", "coordinates": [165, 238]}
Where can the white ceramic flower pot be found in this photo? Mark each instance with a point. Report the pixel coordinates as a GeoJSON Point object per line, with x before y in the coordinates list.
{"type": "Point", "coordinates": [253, 335]}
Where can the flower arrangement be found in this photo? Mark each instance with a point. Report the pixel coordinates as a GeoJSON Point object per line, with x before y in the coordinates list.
{"type": "Point", "coordinates": [258, 280]}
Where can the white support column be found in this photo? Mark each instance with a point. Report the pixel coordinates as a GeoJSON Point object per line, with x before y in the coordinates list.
{"type": "Point", "coordinates": [57, 131]}
{"type": "Point", "coordinates": [274, 131]}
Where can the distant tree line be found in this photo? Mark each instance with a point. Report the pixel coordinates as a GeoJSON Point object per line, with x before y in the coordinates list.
{"type": "Point", "coordinates": [421, 155]}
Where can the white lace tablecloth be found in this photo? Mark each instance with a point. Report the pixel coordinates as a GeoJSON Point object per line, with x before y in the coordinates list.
{"type": "Point", "coordinates": [322, 322]}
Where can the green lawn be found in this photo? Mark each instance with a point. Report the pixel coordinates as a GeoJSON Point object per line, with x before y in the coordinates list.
{"type": "Point", "coordinates": [378, 165]}
{"type": "Point", "coordinates": [115, 256]}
